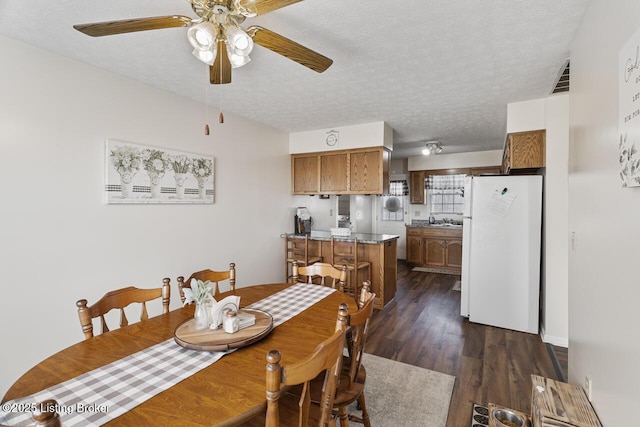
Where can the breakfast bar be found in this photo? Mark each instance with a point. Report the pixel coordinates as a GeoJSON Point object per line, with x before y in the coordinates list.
{"type": "Point", "coordinates": [378, 249]}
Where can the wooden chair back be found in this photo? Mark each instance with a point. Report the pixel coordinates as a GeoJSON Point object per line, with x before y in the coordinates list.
{"type": "Point", "coordinates": [320, 273]}
{"type": "Point", "coordinates": [327, 357]}
{"type": "Point", "coordinates": [297, 249]}
{"type": "Point", "coordinates": [353, 377]}
{"type": "Point", "coordinates": [119, 299]}
{"type": "Point", "coordinates": [213, 276]}
{"type": "Point", "coordinates": [358, 323]}
{"type": "Point", "coordinates": [346, 253]}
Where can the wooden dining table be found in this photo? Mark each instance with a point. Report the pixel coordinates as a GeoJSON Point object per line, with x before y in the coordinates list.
{"type": "Point", "coordinates": [224, 393]}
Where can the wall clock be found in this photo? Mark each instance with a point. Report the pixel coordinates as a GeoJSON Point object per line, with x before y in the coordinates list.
{"type": "Point", "coordinates": [332, 139]}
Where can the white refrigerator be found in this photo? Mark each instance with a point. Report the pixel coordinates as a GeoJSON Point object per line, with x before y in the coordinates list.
{"type": "Point", "coordinates": [501, 251]}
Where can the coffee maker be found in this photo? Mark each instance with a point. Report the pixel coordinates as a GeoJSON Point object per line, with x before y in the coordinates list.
{"type": "Point", "coordinates": [302, 221]}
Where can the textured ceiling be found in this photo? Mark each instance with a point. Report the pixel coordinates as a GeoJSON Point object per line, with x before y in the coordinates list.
{"type": "Point", "coordinates": [431, 69]}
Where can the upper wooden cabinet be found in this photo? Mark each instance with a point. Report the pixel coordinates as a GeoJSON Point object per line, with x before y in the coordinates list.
{"type": "Point", "coordinates": [333, 172]}
{"type": "Point", "coordinates": [416, 187]}
{"type": "Point", "coordinates": [305, 174]}
{"type": "Point", "coordinates": [358, 171]}
{"type": "Point", "coordinates": [524, 150]}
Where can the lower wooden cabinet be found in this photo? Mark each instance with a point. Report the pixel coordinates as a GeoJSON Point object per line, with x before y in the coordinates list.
{"type": "Point", "coordinates": [435, 247]}
{"type": "Point", "coordinates": [414, 248]}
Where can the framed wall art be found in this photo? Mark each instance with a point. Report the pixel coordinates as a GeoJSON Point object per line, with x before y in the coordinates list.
{"type": "Point", "coordinates": [145, 174]}
{"type": "Point", "coordinates": [629, 111]}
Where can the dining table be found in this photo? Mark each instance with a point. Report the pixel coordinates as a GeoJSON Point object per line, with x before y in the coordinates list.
{"type": "Point", "coordinates": [226, 392]}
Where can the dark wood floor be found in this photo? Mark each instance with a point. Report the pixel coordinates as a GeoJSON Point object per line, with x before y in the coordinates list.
{"type": "Point", "coordinates": [422, 326]}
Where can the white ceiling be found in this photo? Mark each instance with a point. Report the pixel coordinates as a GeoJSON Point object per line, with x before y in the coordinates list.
{"type": "Point", "coordinates": [431, 69]}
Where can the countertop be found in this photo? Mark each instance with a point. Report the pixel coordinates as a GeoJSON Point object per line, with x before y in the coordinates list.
{"type": "Point", "coordinates": [366, 238]}
{"type": "Point", "coordinates": [447, 226]}
{"type": "Point", "coordinates": [438, 224]}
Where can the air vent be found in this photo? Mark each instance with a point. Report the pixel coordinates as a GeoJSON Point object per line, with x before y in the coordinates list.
{"type": "Point", "coordinates": [562, 83]}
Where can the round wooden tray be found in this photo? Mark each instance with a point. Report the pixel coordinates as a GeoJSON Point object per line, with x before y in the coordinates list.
{"type": "Point", "coordinates": [217, 339]}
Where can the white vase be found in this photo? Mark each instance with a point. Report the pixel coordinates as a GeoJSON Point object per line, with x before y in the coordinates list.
{"type": "Point", "coordinates": [202, 316]}
{"type": "Point", "coordinates": [202, 191]}
{"type": "Point", "coordinates": [126, 184]}
{"type": "Point", "coordinates": [155, 184]}
{"type": "Point", "coordinates": [180, 181]}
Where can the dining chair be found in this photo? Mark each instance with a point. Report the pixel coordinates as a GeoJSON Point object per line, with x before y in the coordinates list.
{"type": "Point", "coordinates": [119, 299]}
{"type": "Point", "coordinates": [347, 253]}
{"type": "Point", "coordinates": [320, 273]}
{"type": "Point", "coordinates": [297, 249]}
{"type": "Point", "coordinates": [44, 414]}
{"type": "Point", "coordinates": [212, 276]}
{"type": "Point", "coordinates": [354, 375]}
{"type": "Point", "coordinates": [288, 387]}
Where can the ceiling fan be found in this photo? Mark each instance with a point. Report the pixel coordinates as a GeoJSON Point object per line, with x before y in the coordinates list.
{"type": "Point", "coordinates": [217, 37]}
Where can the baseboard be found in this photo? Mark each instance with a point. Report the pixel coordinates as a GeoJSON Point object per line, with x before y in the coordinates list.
{"type": "Point", "coordinates": [557, 341]}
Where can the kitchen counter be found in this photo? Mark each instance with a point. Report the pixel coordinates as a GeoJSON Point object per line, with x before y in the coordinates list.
{"type": "Point", "coordinates": [436, 247]}
{"type": "Point", "coordinates": [378, 249]}
{"type": "Point", "coordinates": [445, 226]}
{"type": "Point", "coordinates": [366, 238]}
{"type": "Point", "coordinates": [439, 224]}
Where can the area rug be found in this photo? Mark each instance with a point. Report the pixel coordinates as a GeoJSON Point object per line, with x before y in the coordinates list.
{"type": "Point", "coordinates": [457, 286]}
{"type": "Point", "coordinates": [402, 395]}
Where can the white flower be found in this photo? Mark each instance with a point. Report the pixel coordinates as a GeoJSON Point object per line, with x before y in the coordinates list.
{"type": "Point", "coordinates": [158, 165]}
{"type": "Point", "coordinates": [199, 292]}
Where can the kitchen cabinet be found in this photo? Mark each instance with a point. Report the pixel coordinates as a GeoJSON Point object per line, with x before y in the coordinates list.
{"type": "Point", "coordinates": [357, 171]}
{"type": "Point", "coordinates": [333, 175]}
{"type": "Point", "coordinates": [439, 248]}
{"type": "Point", "coordinates": [524, 151]}
{"type": "Point", "coordinates": [416, 187]}
{"type": "Point", "coordinates": [485, 170]}
{"type": "Point", "coordinates": [305, 174]}
{"type": "Point", "coordinates": [414, 248]}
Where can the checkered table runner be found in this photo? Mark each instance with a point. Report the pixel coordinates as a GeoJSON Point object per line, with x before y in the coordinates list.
{"type": "Point", "coordinates": [98, 396]}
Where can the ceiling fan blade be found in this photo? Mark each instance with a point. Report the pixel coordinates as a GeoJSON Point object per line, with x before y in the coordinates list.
{"type": "Point", "coordinates": [290, 49]}
{"type": "Point", "coordinates": [220, 71]}
{"type": "Point", "coordinates": [266, 6]}
{"type": "Point", "coordinates": [132, 25]}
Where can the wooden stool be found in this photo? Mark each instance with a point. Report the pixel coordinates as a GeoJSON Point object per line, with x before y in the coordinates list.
{"type": "Point", "coordinates": [297, 249]}
{"type": "Point", "coordinates": [345, 253]}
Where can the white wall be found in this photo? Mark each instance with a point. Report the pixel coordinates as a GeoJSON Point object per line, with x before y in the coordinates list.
{"type": "Point", "coordinates": [376, 134]}
{"type": "Point", "coordinates": [456, 160]}
{"type": "Point", "coordinates": [552, 114]}
{"type": "Point", "coordinates": [555, 282]}
{"type": "Point", "coordinates": [59, 242]}
{"type": "Point", "coordinates": [603, 266]}
{"type": "Point", "coordinates": [526, 115]}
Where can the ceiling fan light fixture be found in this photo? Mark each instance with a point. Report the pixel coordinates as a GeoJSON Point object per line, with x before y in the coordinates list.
{"type": "Point", "coordinates": [239, 42]}
{"type": "Point", "coordinates": [432, 147]}
{"type": "Point", "coordinates": [206, 56]}
{"type": "Point", "coordinates": [238, 60]}
{"type": "Point", "coordinates": [202, 36]}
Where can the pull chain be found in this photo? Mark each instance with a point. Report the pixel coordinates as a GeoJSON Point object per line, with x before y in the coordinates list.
{"type": "Point", "coordinates": [221, 116]}
{"type": "Point", "coordinates": [206, 106]}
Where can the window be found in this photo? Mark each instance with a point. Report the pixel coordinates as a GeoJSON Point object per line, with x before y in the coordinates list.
{"type": "Point", "coordinates": [446, 193]}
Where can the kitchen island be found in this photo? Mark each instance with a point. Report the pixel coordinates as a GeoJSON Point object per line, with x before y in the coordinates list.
{"type": "Point", "coordinates": [378, 249]}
